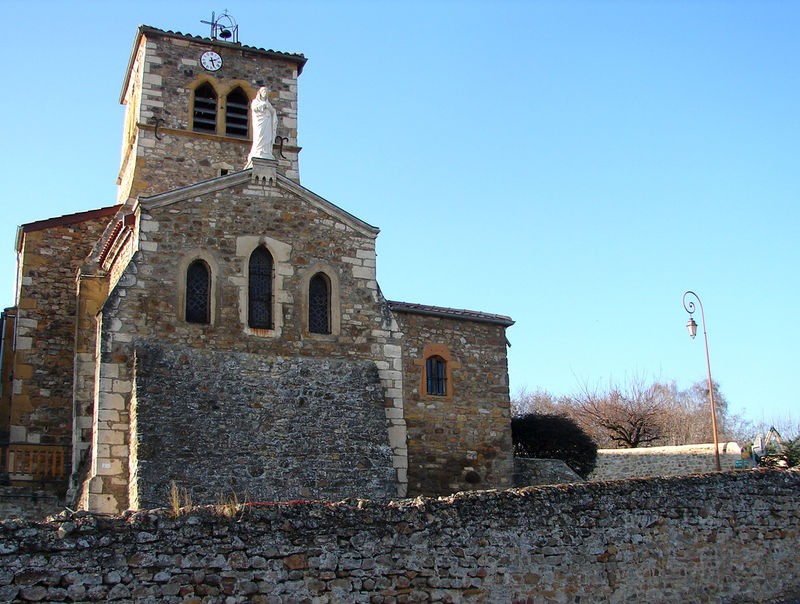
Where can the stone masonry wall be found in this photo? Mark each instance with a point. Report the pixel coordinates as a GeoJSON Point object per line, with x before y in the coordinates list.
{"type": "Point", "coordinates": [678, 460]}
{"type": "Point", "coordinates": [529, 471]}
{"type": "Point", "coordinates": [29, 502]}
{"type": "Point", "coordinates": [462, 441]}
{"type": "Point", "coordinates": [8, 319]}
{"type": "Point", "coordinates": [713, 538]}
{"type": "Point", "coordinates": [164, 74]}
{"type": "Point", "coordinates": [265, 430]}
{"type": "Point", "coordinates": [222, 228]}
{"type": "Point", "coordinates": [41, 407]}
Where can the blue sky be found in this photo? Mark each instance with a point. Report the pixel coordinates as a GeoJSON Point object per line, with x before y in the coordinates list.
{"type": "Point", "coordinates": [575, 165]}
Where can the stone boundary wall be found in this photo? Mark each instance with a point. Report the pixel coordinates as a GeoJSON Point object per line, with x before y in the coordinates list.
{"type": "Point", "coordinates": [646, 540]}
{"type": "Point", "coordinates": [681, 460]}
{"type": "Point", "coordinates": [529, 471]}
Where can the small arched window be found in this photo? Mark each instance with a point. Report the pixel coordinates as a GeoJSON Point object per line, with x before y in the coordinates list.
{"type": "Point", "coordinates": [259, 289]}
{"type": "Point", "coordinates": [204, 118]}
{"type": "Point", "coordinates": [436, 372]}
{"type": "Point", "coordinates": [319, 304]}
{"type": "Point", "coordinates": [198, 293]}
{"type": "Point", "coordinates": [236, 110]}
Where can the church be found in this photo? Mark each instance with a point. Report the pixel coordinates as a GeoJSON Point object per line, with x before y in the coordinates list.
{"type": "Point", "coordinates": [219, 328]}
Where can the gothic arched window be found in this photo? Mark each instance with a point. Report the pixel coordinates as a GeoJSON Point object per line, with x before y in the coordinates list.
{"type": "Point", "coordinates": [259, 289]}
{"type": "Point", "coordinates": [236, 109]}
{"type": "Point", "coordinates": [198, 293]}
{"type": "Point", "coordinates": [436, 375]}
{"type": "Point", "coordinates": [204, 117]}
{"type": "Point", "coordinates": [319, 304]}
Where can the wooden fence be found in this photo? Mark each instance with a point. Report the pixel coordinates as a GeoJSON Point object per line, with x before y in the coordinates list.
{"type": "Point", "coordinates": [35, 462]}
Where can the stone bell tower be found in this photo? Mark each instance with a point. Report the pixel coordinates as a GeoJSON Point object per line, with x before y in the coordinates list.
{"type": "Point", "coordinates": [187, 109]}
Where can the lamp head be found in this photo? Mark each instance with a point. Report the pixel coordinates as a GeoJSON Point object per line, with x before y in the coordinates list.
{"type": "Point", "coordinates": [691, 326]}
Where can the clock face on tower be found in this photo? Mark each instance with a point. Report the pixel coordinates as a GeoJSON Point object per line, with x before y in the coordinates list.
{"type": "Point", "coordinates": [211, 60]}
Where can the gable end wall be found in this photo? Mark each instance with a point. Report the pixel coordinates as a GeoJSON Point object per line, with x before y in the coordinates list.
{"type": "Point", "coordinates": [223, 227]}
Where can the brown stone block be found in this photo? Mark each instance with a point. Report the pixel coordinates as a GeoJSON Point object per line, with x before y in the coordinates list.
{"type": "Point", "coordinates": [21, 403]}
{"type": "Point", "coordinates": [296, 562]}
{"type": "Point", "coordinates": [27, 304]}
{"type": "Point", "coordinates": [23, 372]}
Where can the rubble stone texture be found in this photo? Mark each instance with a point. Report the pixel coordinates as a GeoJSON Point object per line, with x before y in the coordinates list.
{"type": "Point", "coordinates": [529, 471]}
{"type": "Point", "coordinates": [710, 538]}
{"type": "Point", "coordinates": [260, 429]}
{"type": "Point", "coordinates": [31, 504]}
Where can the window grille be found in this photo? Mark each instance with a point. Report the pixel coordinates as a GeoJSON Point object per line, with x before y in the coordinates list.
{"type": "Point", "coordinates": [236, 110]}
{"type": "Point", "coordinates": [319, 304]}
{"type": "Point", "coordinates": [198, 288]}
{"type": "Point", "coordinates": [259, 314]}
{"type": "Point", "coordinates": [435, 370]}
{"type": "Point", "coordinates": [205, 109]}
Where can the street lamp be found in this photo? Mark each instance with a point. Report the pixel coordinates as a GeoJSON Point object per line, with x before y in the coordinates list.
{"type": "Point", "coordinates": [691, 326]}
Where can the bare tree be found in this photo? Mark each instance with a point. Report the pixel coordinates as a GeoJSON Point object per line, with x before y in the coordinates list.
{"type": "Point", "coordinates": [686, 415]}
{"type": "Point", "coordinates": [539, 402]}
{"type": "Point", "coordinates": [788, 426]}
{"type": "Point", "coordinates": [692, 408]}
{"type": "Point", "coordinates": [637, 414]}
{"type": "Point", "coordinates": [623, 418]}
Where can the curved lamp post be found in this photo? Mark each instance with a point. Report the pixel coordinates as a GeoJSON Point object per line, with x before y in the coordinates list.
{"type": "Point", "coordinates": [691, 325]}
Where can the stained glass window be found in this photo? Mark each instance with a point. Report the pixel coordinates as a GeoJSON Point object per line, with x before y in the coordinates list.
{"type": "Point", "coordinates": [435, 369]}
{"type": "Point", "coordinates": [259, 306]}
{"type": "Point", "coordinates": [198, 288]}
{"type": "Point", "coordinates": [319, 304]}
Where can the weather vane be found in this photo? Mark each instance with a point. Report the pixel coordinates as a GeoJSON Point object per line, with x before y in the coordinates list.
{"type": "Point", "coordinates": [224, 27]}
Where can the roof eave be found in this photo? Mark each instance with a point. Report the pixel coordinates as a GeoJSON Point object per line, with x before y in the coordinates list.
{"type": "Point", "coordinates": [65, 220]}
{"type": "Point", "coordinates": [238, 178]}
{"type": "Point", "coordinates": [355, 221]}
{"type": "Point", "coordinates": [137, 39]}
{"type": "Point", "coordinates": [297, 59]}
{"type": "Point", "coordinates": [450, 313]}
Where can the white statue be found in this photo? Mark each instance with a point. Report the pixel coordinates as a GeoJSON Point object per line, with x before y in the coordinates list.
{"type": "Point", "coordinates": [265, 126]}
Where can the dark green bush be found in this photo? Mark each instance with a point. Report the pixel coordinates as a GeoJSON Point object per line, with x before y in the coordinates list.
{"type": "Point", "coordinates": [554, 437]}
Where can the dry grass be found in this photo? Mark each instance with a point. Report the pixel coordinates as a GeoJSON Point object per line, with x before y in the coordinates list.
{"type": "Point", "coordinates": [180, 500]}
{"type": "Point", "coordinates": [230, 506]}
